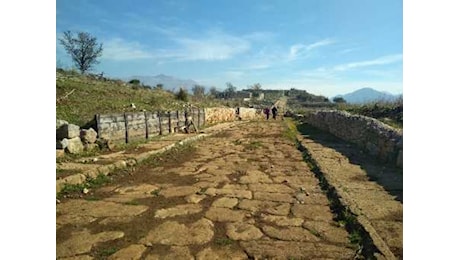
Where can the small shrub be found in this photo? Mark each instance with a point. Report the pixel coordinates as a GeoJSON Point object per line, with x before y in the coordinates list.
{"type": "Point", "coordinates": [134, 82]}
{"type": "Point", "coordinates": [182, 95]}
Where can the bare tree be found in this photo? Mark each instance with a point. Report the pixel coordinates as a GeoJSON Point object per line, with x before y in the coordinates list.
{"type": "Point", "coordinates": [256, 87]}
{"type": "Point", "coordinates": [83, 49]}
{"type": "Point", "coordinates": [230, 91]}
{"type": "Point", "coordinates": [198, 91]}
{"type": "Point", "coordinates": [213, 92]}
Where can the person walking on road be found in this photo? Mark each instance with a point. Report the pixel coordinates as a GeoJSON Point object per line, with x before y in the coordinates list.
{"type": "Point", "coordinates": [267, 112]}
{"type": "Point", "coordinates": [274, 112]}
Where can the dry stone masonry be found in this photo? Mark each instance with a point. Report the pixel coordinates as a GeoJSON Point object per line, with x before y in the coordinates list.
{"type": "Point", "coordinates": [128, 127]}
{"type": "Point", "coordinates": [377, 138]}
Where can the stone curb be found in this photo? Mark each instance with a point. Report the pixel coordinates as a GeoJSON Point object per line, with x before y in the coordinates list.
{"type": "Point", "coordinates": [346, 200]}
{"type": "Point", "coordinates": [121, 164]}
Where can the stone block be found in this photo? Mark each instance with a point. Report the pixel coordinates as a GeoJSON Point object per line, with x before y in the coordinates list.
{"type": "Point", "coordinates": [62, 144]}
{"type": "Point", "coordinates": [88, 136]}
{"type": "Point", "coordinates": [68, 131]}
{"type": "Point", "coordinates": [74, 146]}
{"type": "Point", "coordinates": [60, 123]}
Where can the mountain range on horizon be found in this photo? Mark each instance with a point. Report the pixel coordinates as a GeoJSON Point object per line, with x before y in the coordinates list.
{"type": "Point", "coordinates": [360, 96]}
{"type": "Point", "coordinates": [366, 95]}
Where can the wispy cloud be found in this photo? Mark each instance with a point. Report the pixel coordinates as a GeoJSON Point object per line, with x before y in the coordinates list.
{"type": "Point", "coordinates": [348, 50]}
{"type": "Point", "coordinates": [119, 49]}
{"type": "Point", "coordinates": [212, 46]}
{"type": "Point", "coordinates": [379, 61]}
{"type": "Point", "coordinates": [301, 50]}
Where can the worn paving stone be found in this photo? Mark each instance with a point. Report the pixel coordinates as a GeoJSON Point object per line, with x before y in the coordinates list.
{"type": "Point", "coordinates": [111, 220]}
{"type": "Point", "coordinates": [133, 252]}
{"type": "Point", "coordinates": [243, 231]}
{"type": "Point", "coordinates": [175, 253]}
{"type": "Point", "coordinates": [225, 202]}
{"type": "Point", "coordinates": [295, 182]}
{"type": "Point", "coordinates": [275, 208]}
{"type": "Point", "coordinates": [74, 219]}
{"type": "Point", "coordinates": [255, 176]}
{"type": "Point", "coordinates": [81, 242]}
{"type": "Point", "coordinates": [144, 189]}
{"type": "Point", "coordinates": [244, 194]}
{"type": "Point", "coordinates": [215, 178]}
{"type": "Point", "coordinates": [282, 221]}
{"type": "Point", "coordinates": [272, 196]}
{"type": "Point", "coordinates": [277, 188]}
{"type": "Point", "coordinates": [78, 257]}
{"type": "Point", "coordinates": [129, 193]}
{"type": "Point", "coordinates": [178, 191]}
{"type": "Point", "coordinates": [273, 249]}
{"type": "Point", "coordinates": [178, 210]}
{"type": "Point", "coordinates": [174, 233]}
{"type": "Point", "coordinates": [290, 233]}
{"type": "Point", "coordinates": [235, 187]}
{"type": "Point", "coordinates": [312, 212]}
{"type": "Point", "coordinates": [327, 231]}
{"type": "Point", "coordinates": [221, 253]}
{"type": "Point", "coordinates": [225, 215]}
{"type": "Point", "coordinates": [99, 208]}
{"type": "Point", "coordinates": [195, 198]}
{"type": "Point", "coordinates": [206, 184]}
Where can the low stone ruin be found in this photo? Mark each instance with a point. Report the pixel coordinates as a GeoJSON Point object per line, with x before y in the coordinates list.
{"type": "Point", "coordinates": [71, 139]}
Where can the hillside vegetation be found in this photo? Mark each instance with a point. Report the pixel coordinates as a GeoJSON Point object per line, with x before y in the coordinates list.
{"type": "Point", "coordinates": [80, 97]}
{"type": "Point", "coordinates": [389, 112]}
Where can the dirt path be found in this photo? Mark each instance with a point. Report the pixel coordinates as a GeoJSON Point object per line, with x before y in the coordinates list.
{"type": "Point", "coordinates": [245, 193]}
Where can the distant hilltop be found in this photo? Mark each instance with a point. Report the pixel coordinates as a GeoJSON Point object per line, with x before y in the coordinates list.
{"type": "Point", "coordinates": [366, 95]}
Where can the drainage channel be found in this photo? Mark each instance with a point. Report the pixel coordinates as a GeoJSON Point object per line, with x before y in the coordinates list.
{"type": "Point", "coordinates": [358, 235]}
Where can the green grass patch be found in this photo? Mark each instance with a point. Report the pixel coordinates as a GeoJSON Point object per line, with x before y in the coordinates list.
{"type": "Point", "coordinates": [104, 253]}
{"type": "Point", "coordinates": [224, 241]}
{"type": "Point", "coordinates": [290, 130]}
{"type": "Point", "coordinates": [132, 203]}
{"type": "Point", "coordinates": [155, 193]}
{"type": "Point", "coordinates": [97, 182]}
{"type": "Point", "coordinates": [100, 180]}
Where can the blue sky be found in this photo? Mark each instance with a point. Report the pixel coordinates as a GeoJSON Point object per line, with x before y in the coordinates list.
{"type": "Point", "coordinates": [325, 47]}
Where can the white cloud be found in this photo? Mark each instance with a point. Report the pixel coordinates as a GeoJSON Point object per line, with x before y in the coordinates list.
{"type": "Point", "coordinates": [211, 47]}
{"type": "Point", "coordinates": [301, 50]}
{"type": "Point", "coordinates": [348, 50]}
{"type": "Point", "coordinates": [119, 49]}
{"type": "Point", "coordinates": [379, 61]}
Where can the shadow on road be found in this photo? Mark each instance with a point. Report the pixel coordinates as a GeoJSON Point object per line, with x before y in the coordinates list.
{"type": "Point", "coordinates": [386, 175]}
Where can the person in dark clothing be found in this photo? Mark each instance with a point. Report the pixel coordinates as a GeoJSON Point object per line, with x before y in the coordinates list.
{"type": "Point", "coordinates": [274, 112]}
{"type": "Point", "coordinates": [267, 112]}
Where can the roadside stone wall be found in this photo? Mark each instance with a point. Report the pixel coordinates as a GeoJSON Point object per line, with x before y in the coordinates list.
{"type": "Point", "coordinates": [250, 113]}
{"type": "Point", "coordinates": [131, 126]}
{"type": "Point", "coordinates": [141, 125]}
{"type": "Point", "coordinates": [377, 138]}
{"type": "Point", "coordinates": [219, 114]}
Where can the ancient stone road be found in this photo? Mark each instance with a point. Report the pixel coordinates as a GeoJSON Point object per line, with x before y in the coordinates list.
{"type": "Point", "coordinates": [243, 193]}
